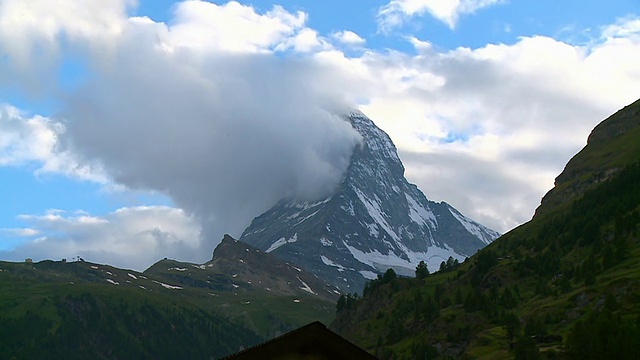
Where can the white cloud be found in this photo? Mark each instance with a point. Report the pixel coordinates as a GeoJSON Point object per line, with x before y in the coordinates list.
{"type": "Point", "coordinates": [623, 28]}
{"type": "Point", "coordinates": [130, 237]}
{"type": "Point", "coordinates": [20, 232]}
{"type": "Point", "coordinates": [348, 38]}
{"type": "Point", "coordinates": [396, 12]}
{"type": "Point", "coordinates": [26, 140]}
{"type": "Point", "coordinates": [232, 27]}
{"type": "Point", "coordinates": [31, 33]}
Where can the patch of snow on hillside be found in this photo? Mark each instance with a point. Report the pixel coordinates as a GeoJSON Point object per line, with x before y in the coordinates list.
{"type": "Point", "coordinates": [368, 274]}
{"type": "Point", "coordinates": [94, 267]}
{"type": "Point", "coordinates": [132, 276]}
{"type": "Point", "coordinates": [306, 287]}
{"type": "Point", "coordinates": [349, 209]}
{"type": "Point", "coordinates": [110, 273]}
{"type": "Point", "coordinates": [419, 214]}
{"type": "Point", "coordinates": [167, 286]}
{"type": "Point", "coordinates": [282, 241]}
{"type": "Point", "coordinates": [373, 230]}
{"type": "Point", "coordinates": [177, 269]}
{"type": "Point", "coordinates": [475, 229]}
{"type": "Point", "coordinates": [325, 242]}
{"type": "Point", "coordinates": [112, 282]}
{"type": "Point", "coordinates": [305, 218]}
{"type": "Point", "coordinates": [328, 262]}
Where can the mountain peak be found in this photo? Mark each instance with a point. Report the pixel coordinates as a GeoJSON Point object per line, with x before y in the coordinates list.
{"type": "Point", "coordinates": [375, 220]}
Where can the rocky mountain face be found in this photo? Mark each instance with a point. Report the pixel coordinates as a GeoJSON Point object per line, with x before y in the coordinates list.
{"type": "Point", "coordinates": [240, 268]}
{"type": "Point", "coordinates": [252, 268]}
{"type": "Point", "coordinates": [374, 220]}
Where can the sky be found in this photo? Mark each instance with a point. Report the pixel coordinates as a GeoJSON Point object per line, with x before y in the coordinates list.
{"type": "Point", "coordinates": [133, 130]}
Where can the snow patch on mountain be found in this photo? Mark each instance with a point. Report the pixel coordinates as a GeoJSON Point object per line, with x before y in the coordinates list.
{"type": "Point", "coordinates": [373, 208]}
{"type": "Point", "coordinates": [476, 229]}
{"type": "Point", "coordinates": [328, 262]}
{"type": "Point", "coordinates": [419, 214]}
{"type": "Point", "coordinates": [306, 287]}
{"type": "Point", "coordinates": [167, 286]}
{"type": "Point", "coordinates": [282, 241]}
{"type": "Point", "coordinates": [381, 262]}
{"type": "Point", "coordinates": [368, 274]}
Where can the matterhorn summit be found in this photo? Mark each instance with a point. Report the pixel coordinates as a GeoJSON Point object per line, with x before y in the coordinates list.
{"type": "Point", "coordinates": [374, 220]}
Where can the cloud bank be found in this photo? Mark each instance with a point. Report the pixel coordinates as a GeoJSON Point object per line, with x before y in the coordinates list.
{"type": "Point", "coordinates": [132, 237]}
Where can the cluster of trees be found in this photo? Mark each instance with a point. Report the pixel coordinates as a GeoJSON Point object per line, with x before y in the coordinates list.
{"type": "Point", "coordinates": [346, 302]}
{"type": "Point", "coordinates": [604, 335]}
{"type": "Point", "coordinates": [117, 328]}
{"type": "Point", "coordinates": [449, 265]}
{"type": "Point", "coordinates": [371, 285]}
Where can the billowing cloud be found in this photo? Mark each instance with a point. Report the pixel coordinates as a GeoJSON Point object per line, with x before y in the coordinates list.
{"type": "Point", "coordinates": [203, 111]}
{"type": "Point", "coordinates": [131, 237]}
{"type": "Point", "coordinates": [348, 38]}
{"type": "Point", "coordinates": [396, 12]}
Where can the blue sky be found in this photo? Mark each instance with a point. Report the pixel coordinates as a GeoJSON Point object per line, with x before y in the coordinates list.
{"type": "Point", "coordinates": [121, 134]}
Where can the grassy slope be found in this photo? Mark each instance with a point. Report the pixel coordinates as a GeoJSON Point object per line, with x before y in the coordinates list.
{"type": "Point", "coordinates": [76, 307]}
{"type": "Point", "coordinates": [139, 315]}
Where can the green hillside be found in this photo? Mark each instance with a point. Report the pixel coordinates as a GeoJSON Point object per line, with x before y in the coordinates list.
{"type": "Point", "coordinates": [174, 310]}
{"type": "Point", "coordinates": [58, 310]}
{"type": "Point", "coordinates": [564, 285]}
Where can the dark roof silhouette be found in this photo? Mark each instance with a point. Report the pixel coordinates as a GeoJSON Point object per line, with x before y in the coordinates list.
{"type": "Point", "coordinates": [313, 341]}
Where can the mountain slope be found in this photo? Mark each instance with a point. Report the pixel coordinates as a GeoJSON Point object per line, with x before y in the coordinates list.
{"type": "Point", "coordinates": [611, 145]}
{"type": "Point", "coordinates": [82, 310]}
{"type": "Point", "coordinates": [172, 310]}
{"type": "Point", "coordinates": [564, 284]}
{"type": "Point", "coordinates": [373, 221]}
{"type": "Point", "coordinates": [238, 267]}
